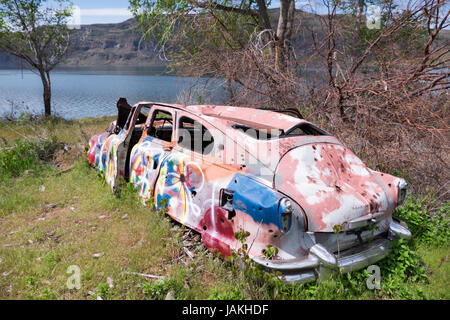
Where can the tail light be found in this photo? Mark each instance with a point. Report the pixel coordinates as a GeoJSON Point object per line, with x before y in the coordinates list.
{"type": "Point", "coordinates": [402, 188]}
{"type": "Point", "coordinates": [285, 210]}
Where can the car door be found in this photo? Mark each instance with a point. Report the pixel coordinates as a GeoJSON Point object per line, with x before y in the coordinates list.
{"type": "Point", "coordinates": [191, 179]}
{"type": "Point", "coordinates": [155, 144]}
{"type": "Point", "coordinates": [114, 151]}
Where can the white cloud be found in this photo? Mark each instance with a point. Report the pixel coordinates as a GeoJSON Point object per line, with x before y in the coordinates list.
{"type": "Point", "coordinates": [106, 12]}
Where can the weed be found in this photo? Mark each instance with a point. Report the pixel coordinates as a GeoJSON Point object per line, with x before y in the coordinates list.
{"type": "Point", "coordinates": [24, 155]}
{"type": "Point", "coordinates": [429, 227]}
{"type": "Point", "coordinates": [233, 294]}
{"type": "Point", "coordinates": [51, 260]}
{"type": "Point", "coordinates": [103, 290]}
{"type": "Point", "coordinates": [253, 280]}
{"type": "Point", "coordinates": [160, 289]}
{"type": "Point", "coordinates": [30, 283]}
{"type": "Point", "coordinates": [403, 264]}
{"type": "Point", "coordinates": [270, 252]}
{"type": "Point", "coordinates": [49, 294]}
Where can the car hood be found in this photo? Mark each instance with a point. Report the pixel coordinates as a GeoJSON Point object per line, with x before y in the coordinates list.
{"type": "Point", "coordinates": [331, 184]}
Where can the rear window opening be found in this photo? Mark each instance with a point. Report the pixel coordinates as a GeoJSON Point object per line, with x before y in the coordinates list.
{"type": "Point", "coordinates": [260, 134]}
{"type": "Point", "coordinates": [302, 129]}
{"type": "Point", "coordinates": [305, 129]}
{"type": "Point", "coordinates": [194, 136]}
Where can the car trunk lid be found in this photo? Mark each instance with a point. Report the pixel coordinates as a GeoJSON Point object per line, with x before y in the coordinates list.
{"type": "Point", "coordinates": [333, 186]}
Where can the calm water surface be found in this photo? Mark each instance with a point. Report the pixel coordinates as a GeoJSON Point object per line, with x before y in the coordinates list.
{"type": "Point", "coordinates": [89, 93]}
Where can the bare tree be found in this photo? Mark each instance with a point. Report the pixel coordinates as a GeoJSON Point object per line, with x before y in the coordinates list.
{"type": "Point", "coordinates": [389, 57]}
{"type": "Point", "coordinates": [36, 32]}
{"type": "Point", "coordinates": [383, 91]}
{"type": "Point", "coordinates": [230, 19]}
{"type": "Point", "coordinates": [284, 33]}
{"type": "Point", "coordinates": [390, 99]}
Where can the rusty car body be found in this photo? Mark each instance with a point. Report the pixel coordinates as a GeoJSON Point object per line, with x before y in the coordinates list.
{"type": "Point", "coordinates": [290, 184]}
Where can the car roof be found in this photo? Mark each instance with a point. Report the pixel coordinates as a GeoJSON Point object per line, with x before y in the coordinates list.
{"type": "Point", "coordinates": [224, 117]}
{"type": "Point", "coordinates": [229, 115]}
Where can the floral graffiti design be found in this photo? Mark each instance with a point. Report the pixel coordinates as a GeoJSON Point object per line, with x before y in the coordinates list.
{"type": "Point", "coordinates": [179, 182]}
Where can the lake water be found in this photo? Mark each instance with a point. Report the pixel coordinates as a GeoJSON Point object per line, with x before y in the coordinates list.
{"type": "Point", "coordinates": [78, 93]}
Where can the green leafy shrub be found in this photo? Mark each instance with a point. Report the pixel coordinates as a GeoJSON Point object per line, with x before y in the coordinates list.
{"type": "Point", "coordinates": [161, 288]}
{"type": "Point", "coordinates": [403, 261]}
{"type": "Point", "coordinates": [23, 155]}
{"type": "Point", "coordinates": [403, 264]}
{"type": "Point", "coordinates": [429, 227]}
{"type": "Point", "coordinates": [399, 270]}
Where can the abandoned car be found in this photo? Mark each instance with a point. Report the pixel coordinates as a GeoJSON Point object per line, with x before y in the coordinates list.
{"type": "Point", "coordinates": [291, 185]}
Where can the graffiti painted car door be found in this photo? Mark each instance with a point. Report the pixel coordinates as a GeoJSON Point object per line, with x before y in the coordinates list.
{"type": "Point", "coordinates": [191, 179]}
{"type": "Point", "coordinates": [154, 145]}
{"type": "Point", "coordinates": [114, 151]}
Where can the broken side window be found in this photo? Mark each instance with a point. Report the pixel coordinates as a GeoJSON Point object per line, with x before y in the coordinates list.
{"type": "Point", "coordinates": [161, 126]}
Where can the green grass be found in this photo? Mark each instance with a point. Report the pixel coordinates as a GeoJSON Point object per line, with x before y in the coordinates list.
{"type": "Point", "coordinates": [59, 213]}
{"type": "Point", "coordinates": [41, 243]}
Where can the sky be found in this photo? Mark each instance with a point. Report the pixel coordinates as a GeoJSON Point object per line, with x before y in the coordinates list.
{"type": "Point", "coordinates": [113, 11]}
{"type": "Point", "coordinates": [103, 11]}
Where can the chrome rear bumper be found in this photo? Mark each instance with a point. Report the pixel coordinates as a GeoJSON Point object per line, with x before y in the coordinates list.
{"type": "Point", "coordinates": [320, 262]}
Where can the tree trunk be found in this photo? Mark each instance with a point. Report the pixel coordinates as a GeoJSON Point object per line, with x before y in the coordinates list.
{"type": "Point", "coordinates": [284, 34]}
{"type": "Point", "coordinates": [45, 77]}
{"type": "Point", "coordinates": [264, 21]}
{"type": "Point", "coordinates": [359, 12]}
{"type": "Point", "coordinates": [232, 99]}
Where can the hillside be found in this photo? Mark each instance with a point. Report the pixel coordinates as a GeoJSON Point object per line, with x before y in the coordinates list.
{"type": "Point", "coordinates": [104, 44]}
{"type": "Point", "coordinates": [121, 44]}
